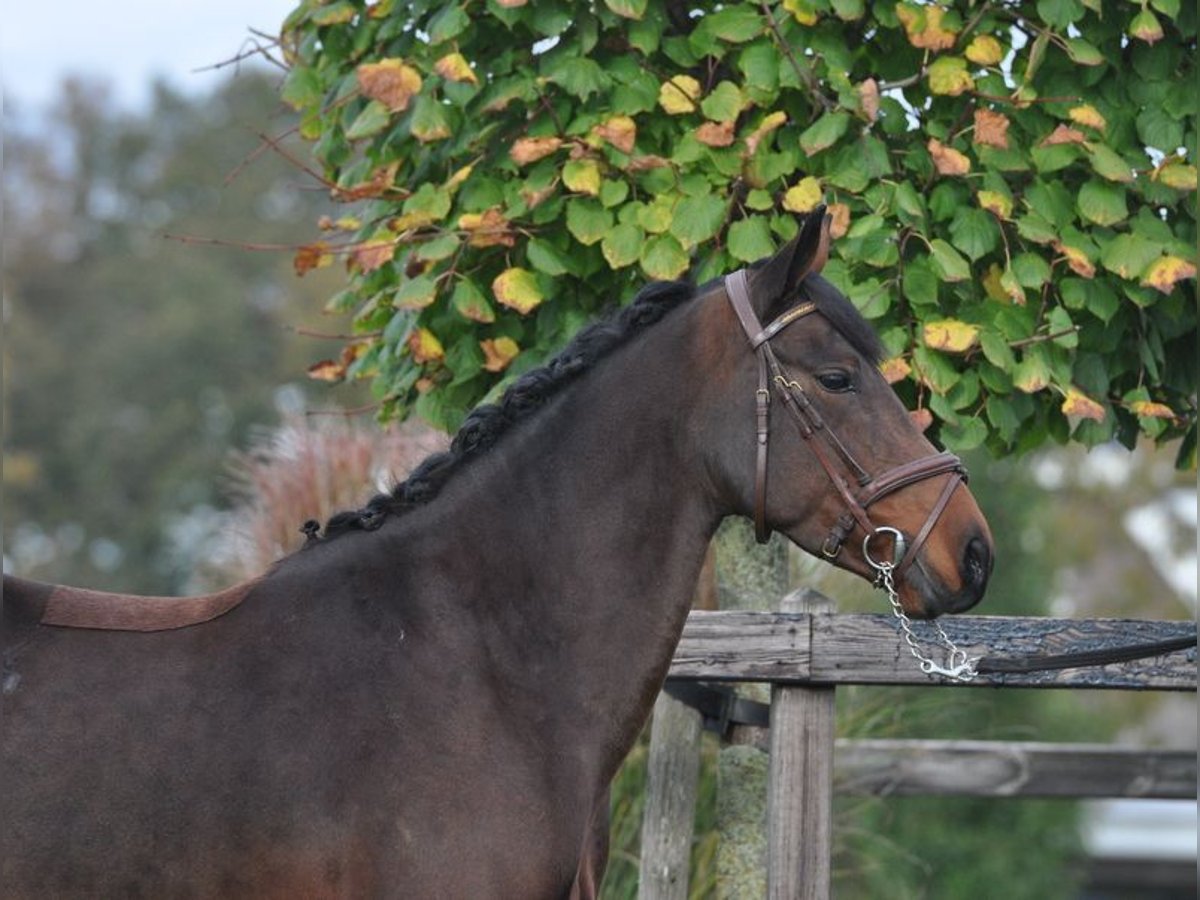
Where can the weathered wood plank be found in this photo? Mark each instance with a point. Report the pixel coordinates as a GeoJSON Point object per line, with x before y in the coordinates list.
{"type": "Point", "coordinates": [668, 820]}
{"type": "Point", "coordinates": [868, 649]}
{"type": "Point", "coordinates": [1011, 769]}
{"type": "Point", "coordinates": [743, 646]}
{"type": "Point", "coordinates": [800, 793]}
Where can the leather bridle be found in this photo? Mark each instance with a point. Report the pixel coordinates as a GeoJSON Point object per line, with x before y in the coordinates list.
{"type": "Point", "coordinates": [866, 489]}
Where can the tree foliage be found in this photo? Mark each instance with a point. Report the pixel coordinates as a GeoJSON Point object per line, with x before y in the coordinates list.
{"type": "Point", "coordinates": [1012, 185]}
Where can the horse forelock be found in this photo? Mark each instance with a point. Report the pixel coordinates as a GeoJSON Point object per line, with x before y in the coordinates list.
{"type": "Point", "coordinates": [486, 425]}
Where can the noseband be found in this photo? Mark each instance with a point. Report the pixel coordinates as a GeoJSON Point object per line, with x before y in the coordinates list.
{"type": "Point", "coordinates": [867, 489]}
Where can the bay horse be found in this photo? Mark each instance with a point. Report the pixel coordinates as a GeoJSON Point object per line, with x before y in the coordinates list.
{"type": "Point", "coordinates": [430, 699]}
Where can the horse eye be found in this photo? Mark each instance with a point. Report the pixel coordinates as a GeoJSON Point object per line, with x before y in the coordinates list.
{"type": "Point", "coordinates": [836, 382]}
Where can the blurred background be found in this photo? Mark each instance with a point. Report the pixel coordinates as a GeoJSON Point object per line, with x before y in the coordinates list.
{"type": "Point", "coordinates": [161, 435]}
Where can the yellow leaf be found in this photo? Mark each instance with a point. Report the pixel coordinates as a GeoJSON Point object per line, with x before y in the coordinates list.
{"type": "Point", "coordinates": [985, 50]}
{"type": "Point", "coordinates": [802, 11]}
{"type": "Point", "coordinates": [715, 134]}
{"type": "Point", "coordinates": [895, 369]}
{"type": "Point", "coordinates": [1165, 271]}
{"type": "Point", "coordinates": [511, 4]}
{"type": "Point", "coordinates": [678, 95]}
{"type": "Point", "coordinates": [487, 229]}
{"type": "Point", "coordinates": [947, 160]}
{"type": "Point", "coordinates": [527, 150]}
{"type": "Point", "coordinates": [327, 370]}
{"type": "Point", "coordinates": [1077, 403]}
{"type": "Point", "coordinates": [1088, 115]}
{"type": "Point", "coordinates": [454, 67]}
{"type": "Point", "coordinates": [1076, 259]}
{"type": "Point", "coordinates": [839, 213]}
{"type": "Point", "coordinates": [458, 178]}
{"type": "Point", "coordinates": [950, 335]}
{"type": "Point", "coordinates": [923, 24]}
{"type": "Point", "coordinates": [765, 127]}
{"type": "Point", "coordinates": [390, 81]}
{"type": "Point", "coordinates": [949, 77]}
{"type": "Point", "coordinates": [582, 176]}
{"type": "Point", "coordinates": [803, 197]}
{"type": "Point", "coordinates": [517, 289]}
{"type": "Point", "coordinates": [1175, 173]}
{"type": "Point", "coordinates": [991, 283]}
{"type": "Point", "coordinates": [620, 131]}
{"type": "Point", "coordinates": [424, 346]}
{"type": "Point", "coordinates": [1148, 409]}
{"type": "Point", "coordinates": [996, 203]}
{"type": "Point", "coordinates": [991, 129]}
{"type": "Point", "coordinates": [312, 256]}
{"type": "Point", "coordinates": [498, 353]}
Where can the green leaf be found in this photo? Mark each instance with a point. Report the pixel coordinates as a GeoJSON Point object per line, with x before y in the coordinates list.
{"type": "Point", "coordinates": [1157, 129]}
{"type": "Point", "coordinates": [934, 369]}
{"type": "Point", "coordinates": [759, 64]}
{"type": "Point", "coordinates": [974, 231]}
{"type": "Point", "coordinates": [966, 434]}
{"type": "Point", "coordinates": [587, 220]}
{"type": "Point", "coordinates": [439, 248]}
{"type": "Point", "coordinates": [1052, 202]}
{"type": "Point", "coordinates": [948, 262]}
{"type": "Point", "coordinates": [545, 258]}
{"type": "Point", "coordinates": [451, 21]}
{"type": "Point", "coordinates": [662, 258]}
{"type": "Point", "coordinates": [302, 88]}
{"type": "Point", "coordinates": [724, 103]}
{"type": "Point", "coordinates": [1109, 164]}
{"type": "Point", "coordinates": [996, 350]}
{"type": "Point", "coordinates": [1060, 13]}
{"type": "Point", "coordinates": [750, 239]}
{"type": "Point", "coordinates": [1128, 255]}
{"type": "Point", "coordinates": [579, 76]}
{"type": "Point", "coordinates": [416, 293]}
{"type": "Point", "coordinates": [736, 23]}
{"type": "Point", "coordinates": [372, 120]}
{"type": "Point", "coordinates": [920, 282]}
{"type": "Point", "coordinates": [623, 245]}
{"type": "Point", "coordinates": [1082, 53]}
{"type": "Point", "coordinates": [698, 219]}
{"type": "Point", "coordinates": [629, 9]}
{"type": "Point", "coordinates": [1102, 203]}
{"type": "Point", "coordinates": [469, 301]}
{"type": "Point", "coordinates": [1031, 270]}
{"type": "Point", "coordinates": [825, 132]}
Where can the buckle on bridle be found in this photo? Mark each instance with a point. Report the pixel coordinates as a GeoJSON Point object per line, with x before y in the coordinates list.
{"type": "Point", "coordinates": [832, 546]}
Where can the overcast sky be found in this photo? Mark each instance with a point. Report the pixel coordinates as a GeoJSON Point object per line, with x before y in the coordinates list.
{"type": "Point", "coordinates": [127, 42]}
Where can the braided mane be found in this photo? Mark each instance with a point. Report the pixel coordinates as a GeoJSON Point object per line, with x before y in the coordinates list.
{"type": "Point", "coordinates": [486, 424]}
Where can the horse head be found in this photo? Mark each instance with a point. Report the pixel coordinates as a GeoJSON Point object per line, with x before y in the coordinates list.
{"type": "Point", "coordinates": [821, 448]}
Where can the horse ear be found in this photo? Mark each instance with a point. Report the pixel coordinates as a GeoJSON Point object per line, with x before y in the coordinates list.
{"type": "Point", "coordinates": [780, 276]}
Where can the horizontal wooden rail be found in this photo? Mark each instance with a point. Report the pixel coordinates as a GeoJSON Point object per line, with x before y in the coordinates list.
{"type": "Point", "coordinates": [831, 649]}
{"type": "Point", "coordinates": [1011, 769]}
{"type": "Point", "coordinates": [906, 768]}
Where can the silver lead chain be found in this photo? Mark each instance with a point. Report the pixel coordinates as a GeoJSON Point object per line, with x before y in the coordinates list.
{"type": "Point", "coordinates": [958, 666]}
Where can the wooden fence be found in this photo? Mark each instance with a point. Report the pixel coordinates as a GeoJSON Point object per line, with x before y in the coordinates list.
{"type": "Point", "coordinates": [806, 650]}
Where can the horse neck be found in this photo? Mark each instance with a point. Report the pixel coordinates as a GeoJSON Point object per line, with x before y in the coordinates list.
{"type": "Point", "coordinates": [594, 515]}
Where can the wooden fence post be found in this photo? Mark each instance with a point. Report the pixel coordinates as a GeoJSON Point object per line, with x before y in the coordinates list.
{"type": "Point", "coordinates": [668, 821]}
{"type": "Point", "coordinates": [800, 799]}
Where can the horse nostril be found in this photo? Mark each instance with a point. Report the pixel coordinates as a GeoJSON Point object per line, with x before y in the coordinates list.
{"type": "Point", "coordinates": [977, 564]}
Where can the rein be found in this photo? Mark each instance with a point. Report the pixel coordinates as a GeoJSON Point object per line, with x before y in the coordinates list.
{"type": "Point", "coordinates": [867, 489]}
